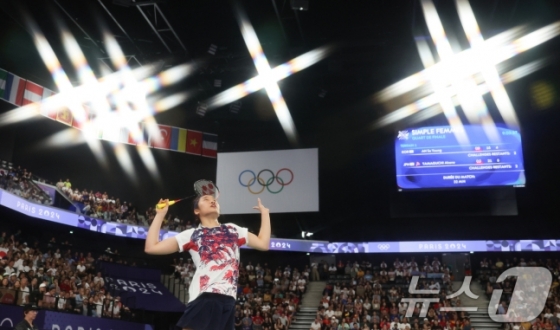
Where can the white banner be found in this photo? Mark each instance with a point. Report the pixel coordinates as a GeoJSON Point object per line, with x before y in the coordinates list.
{"type": "Point", "coordinates": [284, 180]}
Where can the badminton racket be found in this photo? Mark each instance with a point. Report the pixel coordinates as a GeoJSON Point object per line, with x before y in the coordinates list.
{"type": "Point", "coordinates": [201, 188]}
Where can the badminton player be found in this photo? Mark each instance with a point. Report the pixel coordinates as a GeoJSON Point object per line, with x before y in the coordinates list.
{"type": "Point", "coordinates": [214, 248]}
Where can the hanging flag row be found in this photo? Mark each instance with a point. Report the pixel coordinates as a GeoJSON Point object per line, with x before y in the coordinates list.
{"type": "Point", "coordinates": [20, 92]}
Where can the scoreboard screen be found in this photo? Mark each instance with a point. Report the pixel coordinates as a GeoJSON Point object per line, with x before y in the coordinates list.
{"type": "Point", "coordinates": [433, 157]}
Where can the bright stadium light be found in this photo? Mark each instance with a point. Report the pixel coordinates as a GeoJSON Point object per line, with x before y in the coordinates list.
{"type": "Point", "coordinates": [268, 78]}
{"type": "Point", "coordinates": [452, 81]}
{"type": "Point", "coordinates": [89, 103]}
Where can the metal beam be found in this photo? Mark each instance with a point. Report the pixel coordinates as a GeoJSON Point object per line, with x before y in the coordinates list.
{"type": "Point", "coordinates": [171, 28]}
{"type": "Point", "coordinates": [120, 27]}
{"type": "Point", "coordinates": [128, 59]}
{"type": "Point", "coordinates": [156, 30]}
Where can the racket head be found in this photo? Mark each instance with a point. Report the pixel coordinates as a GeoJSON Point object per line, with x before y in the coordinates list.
{"type": "Point", "coordinates": [206, 187]}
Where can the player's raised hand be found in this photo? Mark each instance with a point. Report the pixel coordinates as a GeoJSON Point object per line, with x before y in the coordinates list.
{"type": "Point", "coordinates": [164, 204]}
{"type": "Point", "coordinates": [260, 207]}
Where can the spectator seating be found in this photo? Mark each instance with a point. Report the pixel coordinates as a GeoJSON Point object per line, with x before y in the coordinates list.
{"type": "Point", "coordinates": [93, 204]}
{"type": "Point", "coordinates": [368, 295]}
{"type": "Point", "coordinates": [55, 278]}
{"type": "Point", "coordinates": [19, 182]}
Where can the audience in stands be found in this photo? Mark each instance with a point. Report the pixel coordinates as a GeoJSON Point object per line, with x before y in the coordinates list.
{"type": "Point", "coordinates": [55, 277]}
{"type": "Point", "coordinates": [19, 182]}
{"type": "Point", "coordinates": [93, 204]}
{"type": "Point", "coordinates": [526, 291]}
{"type": "Point", "coordinates": [361, 295]}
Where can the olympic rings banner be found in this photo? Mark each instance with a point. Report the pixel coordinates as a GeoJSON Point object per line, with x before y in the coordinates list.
{"type": "Point", "coordinates": [285, 181]}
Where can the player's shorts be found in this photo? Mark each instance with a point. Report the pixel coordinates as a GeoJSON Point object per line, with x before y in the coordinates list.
{"type": "Point", "coordinates": [209, 311]}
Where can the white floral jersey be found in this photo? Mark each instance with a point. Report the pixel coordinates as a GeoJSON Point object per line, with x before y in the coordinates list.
{"type": "Point", "coordinates": [215, 253]}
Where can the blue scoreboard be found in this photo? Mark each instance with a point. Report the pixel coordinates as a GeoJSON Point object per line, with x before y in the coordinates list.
{"type": "Point", "coordinates": [442, 157]}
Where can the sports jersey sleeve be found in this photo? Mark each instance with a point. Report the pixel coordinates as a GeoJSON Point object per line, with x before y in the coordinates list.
{"type": "Point", "coordinates": [183, 239]}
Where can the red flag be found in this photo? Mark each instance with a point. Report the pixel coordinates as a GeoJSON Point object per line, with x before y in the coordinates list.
{"type": "Point", "coordinates": [194, 142]}
{"type": "Point", "coordinates": [32, 93]}
{"type": "Point", "coordinates": [136, 137]}
{"type": "Point", "coordinates": [161, 140]}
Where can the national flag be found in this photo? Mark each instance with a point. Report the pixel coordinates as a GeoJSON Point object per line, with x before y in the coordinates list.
{"type": "Point", "coordinates": [11, 87]}
{"type": "Point", "coordinates": [178, 139]}
{"type": "Point", "coordinates": [194, 142]}
{"type": "Point", "coordinates": [33, 93]}
{"type": "Point", "coordinates": [161, 140]}
{"type": "Point", "coordinates": [138, 139]}
{"type": "Point", "coordinates": [47, 93]}
{"type": "Point", "coordinates": [64, 116]}
{"type": "Point", "coordinates": [51, 113]}
{"type": "Point", "coordinates": [209, 145]}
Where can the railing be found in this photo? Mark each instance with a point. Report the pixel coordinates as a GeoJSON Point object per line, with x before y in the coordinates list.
{"type": "Point", "coordinates": [175, 285]}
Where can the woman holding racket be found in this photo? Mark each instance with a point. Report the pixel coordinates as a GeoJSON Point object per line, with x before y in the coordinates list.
{"type": "Point", "coordinates": [214, 248]}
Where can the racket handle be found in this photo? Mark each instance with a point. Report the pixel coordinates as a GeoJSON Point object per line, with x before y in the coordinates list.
{"type": "Point", "coordinates": [162, 205]}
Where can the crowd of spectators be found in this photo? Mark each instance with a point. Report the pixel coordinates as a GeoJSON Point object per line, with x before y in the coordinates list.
{"type": "Point", "coordinates": [93, 204]}
{"type": "Point", "coordinates": [55, 277]}
{"type": "Point", "coordinates": [360, 295]}
{"type": "Point", "coordinates": [103, 206]}
{"type": "Point", "coordinates": [267, 298]}
{"type": "Point", "coordinates": [527, 291]}
{"type": "Point", "coordinates": [19, 182]}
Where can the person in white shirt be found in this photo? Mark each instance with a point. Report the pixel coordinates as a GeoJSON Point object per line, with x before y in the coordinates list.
{"type": "Point", "coordinates": [396, 324]}
{"type": "Point", "coordinates": [98, 279]}
{"type": "Point", "coordinates": [435, 263]}
{"type": "Point", "coordinates": [214, 248]}
{"type": "Point", "coordinates": [19, 262]}
{"type": "Point", "coordinates": [10, 268]}
{"type": "Point", "coordinates": [316, 325]}
{"type": "Point", "coordinates": [403, 306]}
{"type": "Point", "coordinates": [24, 289]}
{"type": "Point", "coordinates": [329, 312]}
{"type": "Point", "coordinates": [405, 323]}
{"type": "Point", "coordinates": [265, 308]}
{"type": "Point", "coordinates": [81, 268]}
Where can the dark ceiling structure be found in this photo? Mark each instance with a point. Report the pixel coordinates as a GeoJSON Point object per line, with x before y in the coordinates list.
{"type": "Point", "coordinates": [372, 45]}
